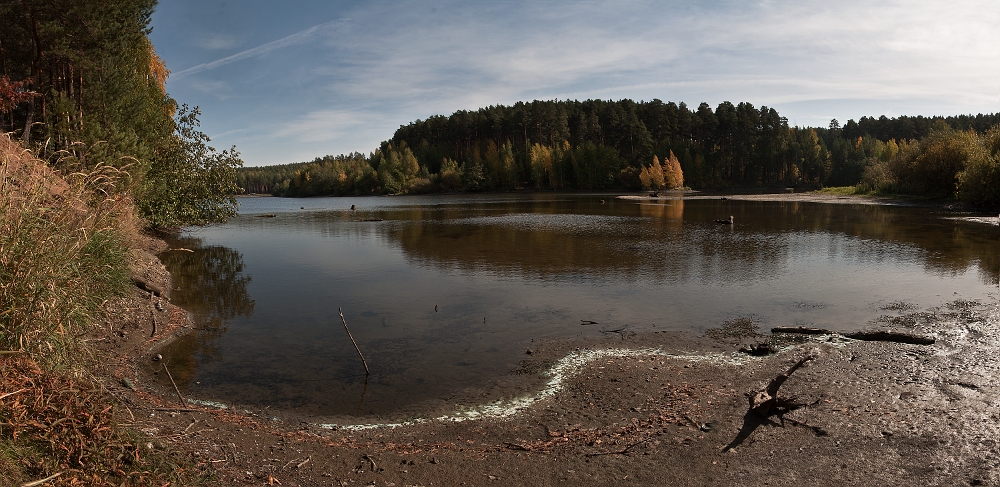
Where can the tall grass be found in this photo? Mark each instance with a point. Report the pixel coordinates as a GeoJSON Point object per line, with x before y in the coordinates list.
{"type": "Point", "coordinates": [62, 252]}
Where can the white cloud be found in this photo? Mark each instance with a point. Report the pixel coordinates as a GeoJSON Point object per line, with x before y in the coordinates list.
{"type": "Point", "coordinates": [349, 88]}
{"type": "Point", "coordinates": [323, 125]}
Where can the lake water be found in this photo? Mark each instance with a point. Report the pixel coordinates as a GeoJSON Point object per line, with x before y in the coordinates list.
{"type": "Point", "coordinates": [445, 293]}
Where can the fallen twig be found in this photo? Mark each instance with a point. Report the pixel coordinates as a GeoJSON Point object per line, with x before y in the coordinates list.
{"type": "Point", "coordinates": [42, 481]}
{"type": "Point", "coordinates": [178, 391]}
{"type": "Point", "coordinates": [177, 410]}
{"type": "Point", "coordinates": [152, 315]}
{"type": "Point", "coordinates": [10, 352]}
{"type": "Point", "coordinates": [370, 459]}
{"type": "Point", "coordinates": [12, 393]}
{"type": "Point", "coordinates": [623, 451]}
{"type": "Point", "coordinates": [367, 372]}
{"type": "Point", "coordinates": [306, 461]}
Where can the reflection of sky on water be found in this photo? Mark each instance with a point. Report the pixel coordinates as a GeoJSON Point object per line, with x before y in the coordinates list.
{"type": "Point", "coordinates": [534, 266]}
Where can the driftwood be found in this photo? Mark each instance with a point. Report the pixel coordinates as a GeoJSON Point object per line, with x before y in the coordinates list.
{"type": "Point", "coordinates": [802, 330]}
{"type": "Point", "coordinates": [147, 285]}
{"type": "Point", "coordinates": [871, 336]}
{"type": "Point", "coordinates": [367, 372]}
{"type": "Point", "coordinates": [891, 336]}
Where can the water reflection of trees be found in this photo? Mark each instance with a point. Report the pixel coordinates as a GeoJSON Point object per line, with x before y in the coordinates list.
{"type": "Point", "coordinates": [590, 239]}
{"type": "Point", "coordinates": [645, 240]}
{"type": "Point", "coordinates": [944, 248]}
{"type": "Point", "coordinates": [209, 282]}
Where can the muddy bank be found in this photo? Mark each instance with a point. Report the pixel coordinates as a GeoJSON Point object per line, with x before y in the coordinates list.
{"type": "Point", "coordinates": [651, 408]}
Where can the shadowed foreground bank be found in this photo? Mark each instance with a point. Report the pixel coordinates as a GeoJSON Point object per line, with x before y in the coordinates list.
{"type": "Point", "coordinates": [662, 408]}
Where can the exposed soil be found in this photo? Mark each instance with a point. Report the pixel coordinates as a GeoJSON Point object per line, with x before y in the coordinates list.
{"type": "Point", "coordinates": [638, 409]}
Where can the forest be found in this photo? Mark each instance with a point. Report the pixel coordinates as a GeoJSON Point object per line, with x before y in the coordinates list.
{"type": "Point", "coordinates": [629, 145]}
{"type": "Point", "coordinates": [83, 88]}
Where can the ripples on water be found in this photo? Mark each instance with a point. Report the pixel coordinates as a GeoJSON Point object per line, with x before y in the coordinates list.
{"type": "Point", "coordinates": [444, 293]}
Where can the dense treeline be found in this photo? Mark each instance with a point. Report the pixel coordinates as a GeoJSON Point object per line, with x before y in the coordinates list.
{"type": "Point", "coordinates": [947, 163]}
{"type": "Point", "coordinates": [913, 128]}
{"type": "Point", "coordinates": [596, 144]}
{"type": "Point", "coordinates": [81, 85]}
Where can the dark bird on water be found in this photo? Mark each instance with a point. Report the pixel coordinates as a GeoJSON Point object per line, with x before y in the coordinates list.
{"type": "Point", "coordinates": [726, 222]}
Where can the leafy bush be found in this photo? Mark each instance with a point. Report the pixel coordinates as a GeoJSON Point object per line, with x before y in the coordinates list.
{"type": "Point", "coordinates": [979, 183]}
{"type": "Point", "coordinates": [189, 182]}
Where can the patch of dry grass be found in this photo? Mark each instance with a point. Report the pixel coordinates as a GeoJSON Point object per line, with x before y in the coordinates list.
{"type": "Point", "coordinates": [63, 255]}
{"type": "Point", "coordinates": [62, 252]}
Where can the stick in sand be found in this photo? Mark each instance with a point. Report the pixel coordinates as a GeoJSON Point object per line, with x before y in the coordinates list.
{"type": "Point", "coordinates": [367, 372]}
{"type": "Point", "coordinates": [178, 391]}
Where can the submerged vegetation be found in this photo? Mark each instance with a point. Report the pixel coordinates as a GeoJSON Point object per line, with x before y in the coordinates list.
{"type": "Point", "coordinates": [627, 145]}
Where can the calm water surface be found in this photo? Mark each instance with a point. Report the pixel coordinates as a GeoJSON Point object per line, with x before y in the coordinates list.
{"type": "Point", "coordinates": [445, 293]}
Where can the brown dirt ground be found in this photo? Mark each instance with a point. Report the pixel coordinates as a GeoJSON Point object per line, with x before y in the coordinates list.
{"type": "Point", "coordinates": [876, 413]}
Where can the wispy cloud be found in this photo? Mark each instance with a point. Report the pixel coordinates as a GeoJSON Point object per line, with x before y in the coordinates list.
{"type": "Point", "coordinates": [348, 88]}
{"type": "Point", "coordinates": [217, 42]}
{"type": "Point", "coordinates": [295, 38]}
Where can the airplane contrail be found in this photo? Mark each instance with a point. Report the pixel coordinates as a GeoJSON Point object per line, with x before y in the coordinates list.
{"type": "Point", "coordinates": [256, 51]}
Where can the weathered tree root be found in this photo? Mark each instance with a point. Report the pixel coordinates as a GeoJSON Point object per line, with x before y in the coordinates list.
{"type": "Point", "coordinates": [765, 401]}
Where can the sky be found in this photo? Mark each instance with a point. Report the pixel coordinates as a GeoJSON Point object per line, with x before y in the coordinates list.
{"type": "Point", "coordinates": [292, 80]}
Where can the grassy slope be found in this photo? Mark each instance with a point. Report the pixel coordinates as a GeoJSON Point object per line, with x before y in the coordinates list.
{"type": "Point", "coordinates": [63, 247]}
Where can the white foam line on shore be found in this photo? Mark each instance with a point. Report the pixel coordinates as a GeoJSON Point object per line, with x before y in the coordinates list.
{"type": "Point", "coordinates": [558, 374]}
{"type": "Point", "coordinates": [217, 405]}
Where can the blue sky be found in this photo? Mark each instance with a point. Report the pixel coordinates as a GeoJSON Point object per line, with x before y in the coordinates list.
{"type": "Point", "coordinates": [293, 80]}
